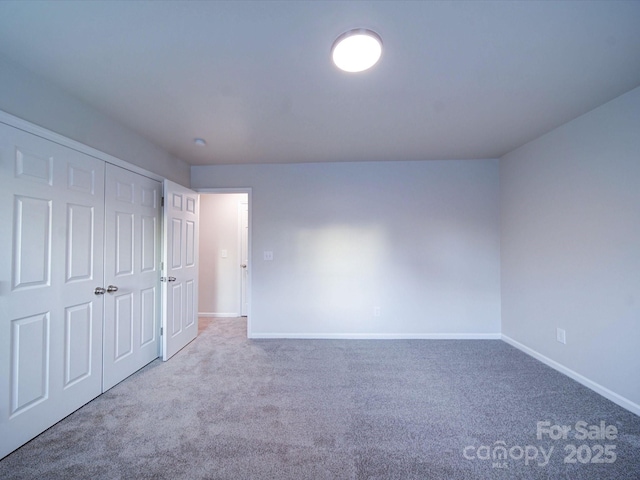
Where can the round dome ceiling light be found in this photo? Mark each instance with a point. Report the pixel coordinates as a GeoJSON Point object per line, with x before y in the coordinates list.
{"type": "Point", "coordinates": [201, 142]}
{"type": "Point", "coordinates": [356, 50]}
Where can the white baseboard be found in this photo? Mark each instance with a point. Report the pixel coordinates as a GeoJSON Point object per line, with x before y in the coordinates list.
{"type": "Point", "coordinates": [380, 336]}
{"type": "Point", "coordinates": [219, 314]}
{"type": "Point", "coordinates": [596, 387]}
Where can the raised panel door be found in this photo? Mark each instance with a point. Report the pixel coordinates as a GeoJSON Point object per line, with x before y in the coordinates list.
{"type": "Point", "coordinates": [180, 258]}
{"type": "Point", "coordinates": [51, 260]}
{"type": "Point", "coordinates": [132, 270]}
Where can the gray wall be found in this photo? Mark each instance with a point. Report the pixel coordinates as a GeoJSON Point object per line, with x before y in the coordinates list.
{"type": "Point", "coordinates": [571, 245]}
{"type": "Point", "coordinates": [29, 97]}
{"type": "Point", "coordinates": [420, 240]}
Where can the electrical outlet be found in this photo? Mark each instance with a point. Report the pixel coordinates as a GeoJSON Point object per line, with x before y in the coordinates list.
{"type": "Point", "coordinates": [224, 253]}
{"type": "Point", "coordinates": [268, 255]}
{"type": "Point", "coordinates": [376, 311]}
{"type": "Point", "coordinates": [561, 336]}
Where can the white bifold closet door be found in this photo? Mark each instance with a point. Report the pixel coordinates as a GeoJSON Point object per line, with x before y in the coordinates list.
{"type": "Point", "coordinates": [51, 261]}
{"type": "Point", "coordinates": [79, 280]}
{"type": "Point", "coordinates": [131, 273]}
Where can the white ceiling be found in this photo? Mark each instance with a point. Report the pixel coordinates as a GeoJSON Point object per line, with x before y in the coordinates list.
{"type": "Point", "coordinates": [456, 80]}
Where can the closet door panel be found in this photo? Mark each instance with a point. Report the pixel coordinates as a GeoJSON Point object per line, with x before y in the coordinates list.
{"type": "Point", "coordinates": [132, 258]}
{"type": "Point", "coordinates": [51, 261]}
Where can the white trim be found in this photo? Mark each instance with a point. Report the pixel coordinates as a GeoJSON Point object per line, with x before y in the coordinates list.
{"type": "Point", "coordinates": [223, 190]}
{"type": "Point", "coordinates": [29, 127]}
{"type": "Point", "coordinates": [380, 336]}
{"type": "Point", "coordinates": [596, 387]}
{"type": "Point", "coordinates": [219, 314]}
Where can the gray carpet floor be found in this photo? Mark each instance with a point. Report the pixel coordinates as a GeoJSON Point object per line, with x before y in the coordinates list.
{"type": "Point", "coordinates": [226, 407]}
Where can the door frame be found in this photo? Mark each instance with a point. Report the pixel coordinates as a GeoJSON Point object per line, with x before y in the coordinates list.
{"type": "Point", "coordinates": [248, 191]}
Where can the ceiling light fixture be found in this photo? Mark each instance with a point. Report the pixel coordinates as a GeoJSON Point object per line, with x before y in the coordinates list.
{"type": "Point", "coordinates": [201, 142]}
{"type": "Point", "coordinates": [356, 50]}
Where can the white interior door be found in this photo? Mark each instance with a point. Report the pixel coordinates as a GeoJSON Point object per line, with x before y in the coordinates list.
{"type": "Point", "coordinates": [244, 258]}
{"type": "Point", "coordinates": [180, 272]}
{"type": "Point", "coordinates": [51, 261]}
{"type": "Point", "coordinates": [132, 276]}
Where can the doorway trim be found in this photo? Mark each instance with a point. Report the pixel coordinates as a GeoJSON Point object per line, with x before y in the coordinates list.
{"type": "Point", "coordinates": [248, 192]}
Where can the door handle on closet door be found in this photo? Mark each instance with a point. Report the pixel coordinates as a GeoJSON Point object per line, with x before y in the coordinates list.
{"type": "Point", "coordinates": [112, 288]}
{"type": "Point", "coordinates": [99, 291]}
{"type": "Point", "coordinates": [171, 279]}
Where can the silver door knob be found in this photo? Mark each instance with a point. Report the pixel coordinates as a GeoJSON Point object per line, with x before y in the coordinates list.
{"type": "Point", "coordinates": [112, 288]}
{"type": "Point", "coordinates": [244, 265]}
{"type": "Point", "coordinates": [171, 279]}
{"type": "Point", "coordinates": [99, 291]}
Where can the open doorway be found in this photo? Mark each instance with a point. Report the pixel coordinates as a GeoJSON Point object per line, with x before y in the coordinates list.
{"type": "Point", "coordinates": [224, 254]}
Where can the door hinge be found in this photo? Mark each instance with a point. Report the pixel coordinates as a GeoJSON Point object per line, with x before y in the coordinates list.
{"type": "Point", "coordinates": [161, 331]}
{"type": "Point", "coordinates": [162, 201]}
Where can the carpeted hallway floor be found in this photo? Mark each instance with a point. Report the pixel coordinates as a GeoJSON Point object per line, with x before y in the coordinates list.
{"type": "Point", "coordinates": [230, 408]}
